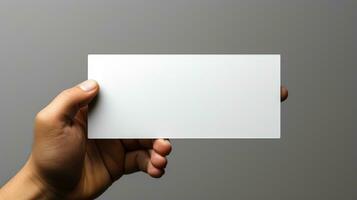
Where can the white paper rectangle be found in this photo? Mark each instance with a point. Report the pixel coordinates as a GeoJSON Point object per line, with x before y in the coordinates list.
{"type": "Point", "coordinates": [185, 96]}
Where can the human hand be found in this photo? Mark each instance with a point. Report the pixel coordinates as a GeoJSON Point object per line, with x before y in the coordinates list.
{"type": "Point", "coordinates": [64, 164]}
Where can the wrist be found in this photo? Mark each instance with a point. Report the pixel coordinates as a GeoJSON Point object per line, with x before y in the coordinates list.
{"type": "Point", "coordinates": [27, 184]}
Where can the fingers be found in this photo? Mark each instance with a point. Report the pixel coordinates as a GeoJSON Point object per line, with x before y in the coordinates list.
{"type": "Point", "coordinates": [151, 158]}
{"type": "Point", "coordinates": [70, 101]}
{"type": "Point", "coordinates": [283, 93]}
{"type": "Point", "coordinates": [140, 160]}
{"type": "Point", "coordinates": [162, 147]}
{"type": "Point", "coordinates": [136, 144]}
{"type": "Point", "coordinates": [158, 160]}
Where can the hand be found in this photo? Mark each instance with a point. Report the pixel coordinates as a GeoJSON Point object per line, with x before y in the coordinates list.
{"type": "Point", "coordinates": [64, 164]}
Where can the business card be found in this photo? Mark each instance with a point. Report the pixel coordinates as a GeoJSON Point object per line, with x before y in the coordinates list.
{"type": "Point", "coordinates": [185, 96]}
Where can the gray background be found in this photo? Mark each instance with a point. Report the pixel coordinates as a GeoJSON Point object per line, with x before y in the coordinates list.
{"type": "Point", "coordinates": [44, 47]}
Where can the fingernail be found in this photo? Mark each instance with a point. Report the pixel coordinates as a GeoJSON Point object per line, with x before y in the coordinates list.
{"type": "Point", "coordinates": [88, 85]}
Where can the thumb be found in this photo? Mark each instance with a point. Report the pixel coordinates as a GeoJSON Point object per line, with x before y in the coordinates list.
{"type": "Point", "coordinates": [66, 105]}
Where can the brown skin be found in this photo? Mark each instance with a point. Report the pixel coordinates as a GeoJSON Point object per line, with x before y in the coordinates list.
{"type": "Point", "coordinates": [64, 164]}
{"type": "Point", "coordinates": [283, 93]}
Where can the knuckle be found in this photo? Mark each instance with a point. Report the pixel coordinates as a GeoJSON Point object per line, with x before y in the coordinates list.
{"type": "Point", "coordinates": [43, 117]}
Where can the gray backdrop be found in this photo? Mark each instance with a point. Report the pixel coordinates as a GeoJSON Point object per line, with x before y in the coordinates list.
{"type": "Point", "coordinates": [44, 47]}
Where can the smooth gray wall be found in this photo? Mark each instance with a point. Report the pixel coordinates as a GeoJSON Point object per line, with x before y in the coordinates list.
{"type": "Point", "coordinates": [44, 46]}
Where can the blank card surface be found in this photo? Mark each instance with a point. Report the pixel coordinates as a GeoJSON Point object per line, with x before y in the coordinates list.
{"type": "Point", "coordinates": [185, 96]}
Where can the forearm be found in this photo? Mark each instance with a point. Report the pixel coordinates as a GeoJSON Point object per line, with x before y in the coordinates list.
{"type": "Point", "coordinates": [25, 185]}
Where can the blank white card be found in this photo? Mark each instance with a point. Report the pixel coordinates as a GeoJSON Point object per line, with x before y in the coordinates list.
{"type": "Point", "coordinates": [185, 96]}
